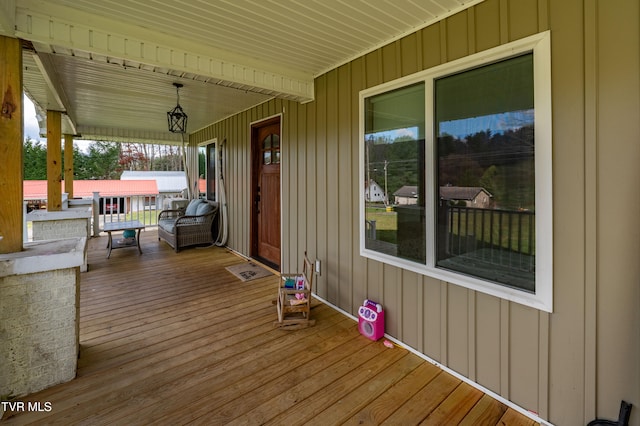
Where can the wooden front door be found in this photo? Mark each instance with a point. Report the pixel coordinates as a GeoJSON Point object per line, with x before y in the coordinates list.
{"type": "Point", "coordinates": [265, 140]}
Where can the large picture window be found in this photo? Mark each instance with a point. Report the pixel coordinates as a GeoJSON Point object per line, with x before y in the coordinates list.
{"type": "Point", "coordinates": [456, 172]}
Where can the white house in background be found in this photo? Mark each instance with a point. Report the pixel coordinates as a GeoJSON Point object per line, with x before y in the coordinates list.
{"type": "Point", "coordinates": [374, 192]}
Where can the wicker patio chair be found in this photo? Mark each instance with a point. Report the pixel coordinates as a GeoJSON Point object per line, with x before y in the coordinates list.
{"type": "Point", "coordinates": [188, 227]}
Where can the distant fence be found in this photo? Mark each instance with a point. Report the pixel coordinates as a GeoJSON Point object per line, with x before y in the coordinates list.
{"type": "Point", "coordinates": [120, 208]}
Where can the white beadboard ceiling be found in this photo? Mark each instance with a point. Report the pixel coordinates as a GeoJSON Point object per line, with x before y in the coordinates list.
{"type": "Point", "coordinates": [110, 64]}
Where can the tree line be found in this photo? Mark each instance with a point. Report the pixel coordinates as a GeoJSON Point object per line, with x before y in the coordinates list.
{"type": "Point", "coordinates": [103, 160]}
{"type": "Point", "coordinates": [402, 157]}
{"type": "Point", "coordinates": [502, 163]}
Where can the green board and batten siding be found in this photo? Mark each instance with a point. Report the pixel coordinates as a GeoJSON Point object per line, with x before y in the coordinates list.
{"type": "Point", "coordinates": [563, 365]}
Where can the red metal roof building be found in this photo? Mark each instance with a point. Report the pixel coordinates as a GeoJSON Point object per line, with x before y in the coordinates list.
{"type": "Point", "coordinates": [37, 189]}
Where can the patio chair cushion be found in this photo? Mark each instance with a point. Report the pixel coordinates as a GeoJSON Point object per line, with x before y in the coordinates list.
{"type": "Point", "coordinates": [204, 208]}
{"type": "Point", "coordinates": [192, 208]}
{"type": "Point", "coordinates": [168, 225]}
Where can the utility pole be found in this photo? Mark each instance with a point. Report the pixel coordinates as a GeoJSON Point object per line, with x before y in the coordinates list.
{"type": "Point", "coordinates": [368, 145]}
{"type": "Point", "coordinates": [386, 193]}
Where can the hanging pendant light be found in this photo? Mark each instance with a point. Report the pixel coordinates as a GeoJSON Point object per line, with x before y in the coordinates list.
{"type": "Point", "coordinates": [177, 118]}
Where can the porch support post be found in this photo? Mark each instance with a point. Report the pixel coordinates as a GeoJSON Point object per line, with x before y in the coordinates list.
{"type": "Point", "coordinates": [96, 214]}
{"type": "Point", "coordinates": [54, 161]}
{"type": "Point", "coordinates": [11, 133]}
{"type": "Point", "coordinates": [68, 165]}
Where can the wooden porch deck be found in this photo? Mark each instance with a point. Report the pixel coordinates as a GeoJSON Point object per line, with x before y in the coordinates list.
{"type": "Point", "coordinates": [172, 338]}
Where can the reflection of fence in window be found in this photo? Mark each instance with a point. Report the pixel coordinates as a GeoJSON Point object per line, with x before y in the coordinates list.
{"type": "Point", "coordinates": [499, 237]}
{"type": "Point", "coordinates": [370, 227]}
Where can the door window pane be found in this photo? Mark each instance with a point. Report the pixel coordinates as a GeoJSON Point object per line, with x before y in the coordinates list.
{"type": "Point", "coordinates": [271, 149]}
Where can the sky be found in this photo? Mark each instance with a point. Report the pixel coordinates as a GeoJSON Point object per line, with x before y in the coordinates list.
{"type": "Point", "coordinates": [391, 135]}
{"type": "Point", "coordinates": [32, 130]}
{"type": "Point", "coordinates": [497, 123]}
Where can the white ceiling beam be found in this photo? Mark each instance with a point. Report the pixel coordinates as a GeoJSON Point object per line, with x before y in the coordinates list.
{"type": "Point", "coordinates": [127, 135]}
{"type": "Point", "coordinates": [42, 22]}
{"type": "Point", "coordinates": [56, 88]}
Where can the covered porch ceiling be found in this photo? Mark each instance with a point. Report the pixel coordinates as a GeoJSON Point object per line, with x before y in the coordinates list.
{"type": "Point", "coordinates": [110, 65]}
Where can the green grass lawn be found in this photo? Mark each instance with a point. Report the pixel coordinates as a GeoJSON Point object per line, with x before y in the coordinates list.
{"type": "Point", "coordinates": [148, 217]}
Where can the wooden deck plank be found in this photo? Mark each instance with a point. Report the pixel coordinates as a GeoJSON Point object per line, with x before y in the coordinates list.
{"type": "Point", "coordinates": [427, 399]}
{"type": "Point", "coordinates": [98, 394]}
{"type": "Point", "coordinates": [210, 376]}
{"type": "Point", "coordinates": [512, 418]}
{"type": "Point", "coordinates": [170, 376]}
{"type": "Point", "coordinates": [293, 369]}
{"type": "Point", "coordinates": [171, 338]}
{"type": "Point", "coordinates": [332, 384]}
{"type": "Point", "coordinates": [487, 411]}
{"type": "Point", "coordinates": [455, 407]}
{"type": "Point", "coordinates": [173, 346]}
{"type": "Point", "coordinates": [167, 323]}
{"type": "Point", "coordinates": [158, 295]}
{"type": "Point", "coordinates": [230, 384]}
{"type": "Point", "coordinates": [367, 392]}
{"type": "Point", "coordinates": [383, 406]}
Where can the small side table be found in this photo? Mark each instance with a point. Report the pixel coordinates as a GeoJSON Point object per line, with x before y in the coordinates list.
{"type": "Point", "coordinates": [132, 225]}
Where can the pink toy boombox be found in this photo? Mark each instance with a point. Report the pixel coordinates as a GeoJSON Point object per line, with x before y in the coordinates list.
{"type": "Point", "coordinates": [371, 320]}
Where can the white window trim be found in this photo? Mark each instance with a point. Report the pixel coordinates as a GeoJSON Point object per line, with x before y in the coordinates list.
{"type": "Point", "coordinates": [540, 45]}
{"type": "Point", "coordinates": [205, 145]}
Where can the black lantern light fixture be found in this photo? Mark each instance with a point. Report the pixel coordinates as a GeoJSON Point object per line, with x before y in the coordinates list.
{"type": "Point", "coordinates": [177, 118]}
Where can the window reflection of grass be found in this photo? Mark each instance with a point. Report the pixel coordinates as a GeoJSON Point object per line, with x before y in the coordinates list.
{"type": "Point", "coordinates": [386, 223]}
